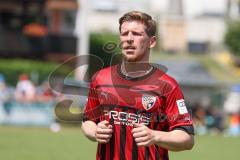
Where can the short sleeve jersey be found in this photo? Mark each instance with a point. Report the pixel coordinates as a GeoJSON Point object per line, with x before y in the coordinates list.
{"type": "Point", "coordinates": [155, 100]}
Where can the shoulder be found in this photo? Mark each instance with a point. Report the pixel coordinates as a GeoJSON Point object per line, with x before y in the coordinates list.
{"type": "Point", "coordinates": [165, 78]}
{"type": "Point", "coordinates": [166, 84]}
{"type": "Point", "coordinates": [103, 74]}
{"type": "Point", "coordinates": [107, 70]}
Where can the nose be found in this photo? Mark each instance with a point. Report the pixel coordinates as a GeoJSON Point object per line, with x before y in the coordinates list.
{"type": "Point", "coordinates": [130, 38]}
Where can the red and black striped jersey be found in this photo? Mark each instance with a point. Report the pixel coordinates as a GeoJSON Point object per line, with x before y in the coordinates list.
{"type": "Point", "coordinates": [155, 100]}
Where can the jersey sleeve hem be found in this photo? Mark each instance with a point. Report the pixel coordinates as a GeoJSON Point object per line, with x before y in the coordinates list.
{"type": "Point", "coordinates": [179, 125]}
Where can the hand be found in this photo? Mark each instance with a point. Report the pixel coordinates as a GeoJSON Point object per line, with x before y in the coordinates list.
{"type": "Point", "coordinates": [143, 135]}
{"type": "Point", "coordinates": [103, 132]}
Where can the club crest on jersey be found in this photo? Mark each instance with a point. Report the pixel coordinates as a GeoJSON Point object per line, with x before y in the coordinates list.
{"type": "Point", "coordinates": [148, 101]}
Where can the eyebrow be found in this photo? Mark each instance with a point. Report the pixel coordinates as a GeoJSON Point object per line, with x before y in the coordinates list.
{"type": "Point", "coordinates": [123, 32]}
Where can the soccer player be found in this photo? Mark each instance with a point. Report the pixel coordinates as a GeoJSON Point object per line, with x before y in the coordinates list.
{"type": "Point", "coordinates": [135, 111]}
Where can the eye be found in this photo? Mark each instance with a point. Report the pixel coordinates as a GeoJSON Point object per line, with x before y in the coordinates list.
{"type": "Point", "coordinates": [137, 33]}
{"type": "Point", "coordinates": [124, 33]}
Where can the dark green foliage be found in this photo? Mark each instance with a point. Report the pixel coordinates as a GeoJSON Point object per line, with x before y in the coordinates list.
{"type": "Point", "coordinates": [232, 37]}
{"type": "Point", "coordinates": [12, 68]}
{"type": "Point", "coordinates": [104, 45]}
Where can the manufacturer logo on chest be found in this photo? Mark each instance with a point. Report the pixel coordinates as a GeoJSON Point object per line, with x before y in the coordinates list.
{"type": "Point", "coordinates": [148, 101]}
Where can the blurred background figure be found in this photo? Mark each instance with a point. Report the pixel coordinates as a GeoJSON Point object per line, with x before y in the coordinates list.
{"type": "Point", "coordinates": [25, 89]}
{"type": "Point", "coordinates": [232, 108]}
{"type": "Point", "coordinates": [234, 125]}
{"type": "Point", "coordinates": [208, 120]}
{"type": "Point", "coordinates": [214, 120]}
{"type": "Point", "coordinates": [4, 91]}
{"type": "Point", "coordinates": [4, 97]}
{"type": "Point", "coordinates": [45, 94]}
{"type": "Point", "coordinates": [199, 115]}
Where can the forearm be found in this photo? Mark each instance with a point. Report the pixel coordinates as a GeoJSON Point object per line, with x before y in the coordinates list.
{"type": "Point", "coordinates": [89, 129]}
{"type": "Point", "coordinates": [175, 140]}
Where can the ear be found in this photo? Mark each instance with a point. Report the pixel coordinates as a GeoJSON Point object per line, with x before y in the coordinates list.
{"type": "Point", "coordinates": [153, 42]}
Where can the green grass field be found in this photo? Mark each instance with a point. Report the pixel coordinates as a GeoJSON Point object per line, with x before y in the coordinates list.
{"type": "Point", "coordinates": [69, 144]}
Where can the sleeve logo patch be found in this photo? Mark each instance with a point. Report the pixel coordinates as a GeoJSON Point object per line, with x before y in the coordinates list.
{"type": "Point", "coordinates": [181, 106]}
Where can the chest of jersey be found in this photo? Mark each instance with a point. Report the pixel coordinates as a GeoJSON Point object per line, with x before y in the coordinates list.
{"type": "Point", "coordinates": [132, 98]}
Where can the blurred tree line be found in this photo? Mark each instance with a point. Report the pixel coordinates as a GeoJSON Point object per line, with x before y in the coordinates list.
{"type": "Point", "coordinates": [37, 70]}
{"type": "Point", "coordinates": [102, 45]}
{"type": "Point", "coordinates": [232, 39]}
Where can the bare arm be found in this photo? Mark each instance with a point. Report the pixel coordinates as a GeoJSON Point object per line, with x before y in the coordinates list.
{"type": "Point", "coordinates": [101, 132]}
{"type": "Point", "coordinates": [89, 129]}
{"type": "Point", "coordinates": [176, 140]}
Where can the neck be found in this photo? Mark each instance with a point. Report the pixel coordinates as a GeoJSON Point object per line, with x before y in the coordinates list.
{"type": "Point", "coordinates": [135, 69]}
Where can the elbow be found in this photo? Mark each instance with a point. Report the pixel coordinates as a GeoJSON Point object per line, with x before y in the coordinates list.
{"type": "Point", "coordinates": [190, 143]}
{"type": "Point", "coordinates": [83, 128]}
{"type": "Point", "coordinates": [187, 145]}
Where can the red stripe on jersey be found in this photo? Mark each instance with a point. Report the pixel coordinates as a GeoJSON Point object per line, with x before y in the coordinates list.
{"type": "Point", "coordinates": [151, 100]}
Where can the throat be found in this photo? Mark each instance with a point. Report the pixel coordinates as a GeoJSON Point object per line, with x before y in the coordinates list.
{"type": "Point", "coordinates": [136, 69]}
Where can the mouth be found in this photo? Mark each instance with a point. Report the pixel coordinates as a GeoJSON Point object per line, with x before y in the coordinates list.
{"type": "Point", "coordinates": [129, 48]}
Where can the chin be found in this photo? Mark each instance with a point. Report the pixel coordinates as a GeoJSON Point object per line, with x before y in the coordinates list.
{"type": "Point", "coordinates": [130, 58]}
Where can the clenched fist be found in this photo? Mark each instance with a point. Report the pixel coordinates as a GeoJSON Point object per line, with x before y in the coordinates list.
{"type": "Point", "coordinates": [143, 135]}
{"type": "Point", "coordinates": [103, 132]}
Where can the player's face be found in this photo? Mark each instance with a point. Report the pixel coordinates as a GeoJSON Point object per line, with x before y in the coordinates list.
{"type": "Point", "coordinates": [135, 42]}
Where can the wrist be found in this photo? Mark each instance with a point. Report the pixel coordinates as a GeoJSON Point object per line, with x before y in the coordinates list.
{"type": "Point", "coordinates": [157, 137]}
{"type": "Point", "coordinates": [94, 133]}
